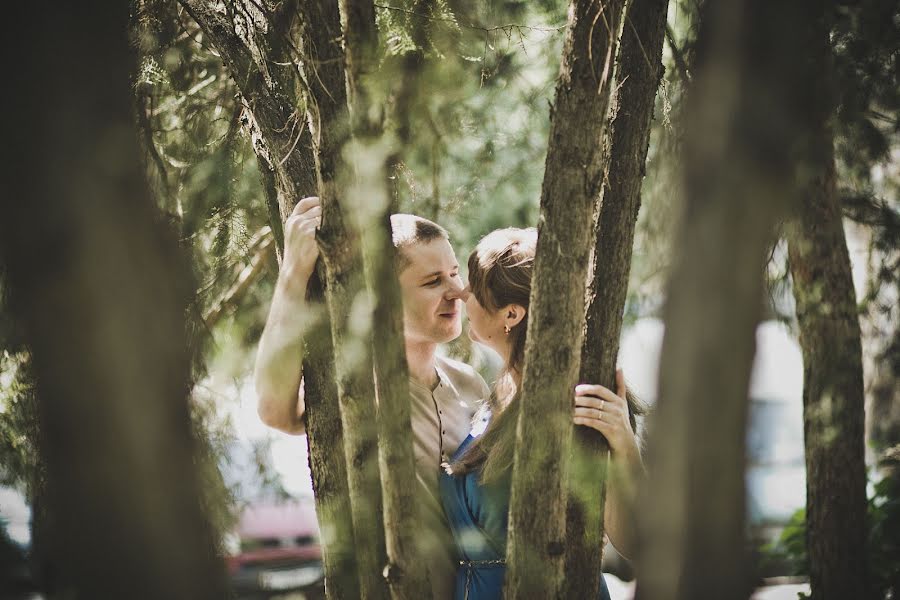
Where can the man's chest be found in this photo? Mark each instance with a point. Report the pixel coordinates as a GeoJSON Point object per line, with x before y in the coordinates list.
{"type": "Point", "coordinates": [440, 420]}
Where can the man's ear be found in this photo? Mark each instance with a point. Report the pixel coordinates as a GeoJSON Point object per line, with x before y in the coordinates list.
{"type": "Point", "coordinates": [514, 313]}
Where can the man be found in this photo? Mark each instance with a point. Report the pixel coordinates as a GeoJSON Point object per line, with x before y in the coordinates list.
{"type": "Point", "coordinates": [444, 394]}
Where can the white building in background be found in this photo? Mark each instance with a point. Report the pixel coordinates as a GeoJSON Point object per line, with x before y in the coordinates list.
{"type": "Point", "coordinates": [15, 516]}
{"type": "Point", "coordinates": [776, 475]}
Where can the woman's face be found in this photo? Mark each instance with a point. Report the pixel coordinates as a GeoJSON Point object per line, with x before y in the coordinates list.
{"type": "Point", "coordinates": [486, 326]}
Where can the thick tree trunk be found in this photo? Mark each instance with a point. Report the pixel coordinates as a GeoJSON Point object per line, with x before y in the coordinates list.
{"type": "Point", "coordinates": [572, 183]}
{"type": "Point", "coordinates": [258, 62]}
{"type": "Point", "coordinates": [746, 119]}
{"type": "Point", "coordinates": [101, 289]}
{"type": "Point", "coordinates": [639, 70]}
{"type": "Point", "coordinates": [833, 397]}
{"type": "Point", "coordinates": [339, 241]}
{"type": "Point", "coordinates": [327, 461]}
{"type": "Point", "coordinates": [405, 576]}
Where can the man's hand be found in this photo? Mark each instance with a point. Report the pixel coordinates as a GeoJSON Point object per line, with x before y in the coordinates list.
{"type": "Point", "coordinates": [599, 408]}
{"type": "Point", "coordinates": [278, 362]}
{"type": "Point", "coordinates": [300, 248]}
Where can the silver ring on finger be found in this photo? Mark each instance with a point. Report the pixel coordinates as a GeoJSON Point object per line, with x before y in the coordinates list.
{"type": "Point", "coordinates": [602, 404]}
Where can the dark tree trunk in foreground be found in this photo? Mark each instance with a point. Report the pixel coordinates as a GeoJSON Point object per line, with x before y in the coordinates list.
{"type": "Point", "coordinates": [745, 122]}
{"type": "Point", "coordinates": [639, 71]}
{"type": "Point", "coordinates": [404, 573]}
{"type": "Point", "coordinates": [833, 398]}
{"type": "Point", "coordinates": [572, 183]}
{"type": "Point", "coordinates": [283, 146]}
{"type": "Point", "coordinates": [101, 290]}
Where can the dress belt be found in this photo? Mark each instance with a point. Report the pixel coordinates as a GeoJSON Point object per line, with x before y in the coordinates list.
{"type": "Point", "coordinates": [475, 564]}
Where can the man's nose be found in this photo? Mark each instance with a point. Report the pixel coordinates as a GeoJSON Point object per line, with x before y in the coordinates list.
{"type": "Point", "coordinates": [456, 290]}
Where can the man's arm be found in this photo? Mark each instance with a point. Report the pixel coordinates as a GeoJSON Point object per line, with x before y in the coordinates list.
{"type": "Point", "coordinates": [279, 360]}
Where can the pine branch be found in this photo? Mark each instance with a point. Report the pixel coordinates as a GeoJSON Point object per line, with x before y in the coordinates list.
{"type": "Point", "coordinates": [263, 242]}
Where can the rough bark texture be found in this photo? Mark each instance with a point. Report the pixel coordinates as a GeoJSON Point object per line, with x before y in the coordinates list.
{"type": "Point", "coordinates": [255, 46]}
{"type": "Point", "coordinates": [639, 70]}
{"type": "Point", "coordinates": [746, 118]}
{"type": "Point", "coordinates": [327, 461]}
{"type": "Point", "coordinates": [406, 579]}
{"type": "Point", "coordinates": [101, 289]}
{"type": "Point", "coordinates": [405, 576]}
{"type": "Point", "coordinates": [572, 183]}
{"type": "Point", "coordinates": [833, 396]}
{"type": "Point", "coordinates": [361, 46]}
{"type": "Point", "coordinates": [339, 241]}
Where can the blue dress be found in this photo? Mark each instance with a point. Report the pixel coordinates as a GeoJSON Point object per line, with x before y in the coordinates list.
{"type": "Point", "coordinates": [478, 519]}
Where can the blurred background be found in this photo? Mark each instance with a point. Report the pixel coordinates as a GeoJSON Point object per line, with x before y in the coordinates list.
{"type": "Point", "coordinates": [475, 165]}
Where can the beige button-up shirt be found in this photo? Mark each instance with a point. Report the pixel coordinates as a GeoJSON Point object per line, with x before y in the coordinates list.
{"type": "Point", "coordinates": [441, 420]}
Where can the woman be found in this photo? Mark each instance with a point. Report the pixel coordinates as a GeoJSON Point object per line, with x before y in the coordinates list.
{"type": "Point", "coordinates": [475, 487]}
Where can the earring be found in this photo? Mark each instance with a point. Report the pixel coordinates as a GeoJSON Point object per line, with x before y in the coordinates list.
{"type": "Point", "coordinates": [506, 329]}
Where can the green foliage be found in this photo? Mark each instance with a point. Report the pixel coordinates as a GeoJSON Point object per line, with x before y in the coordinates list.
{"type": "Point", "coordinates": [866, 41]}
{"type": "Point", "coordinates": [20, 466]}
{"type": "Point", "coordinates": [789, 549]}
{"type": "Point", "coordinates": [480, 130]}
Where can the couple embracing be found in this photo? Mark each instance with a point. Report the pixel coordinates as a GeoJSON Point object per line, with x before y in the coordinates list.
{"type": "Point", "coordinates": [463, 431]}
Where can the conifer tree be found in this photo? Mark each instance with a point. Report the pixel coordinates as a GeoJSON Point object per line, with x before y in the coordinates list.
{"type": "Point", "coordinates": [572, 184]}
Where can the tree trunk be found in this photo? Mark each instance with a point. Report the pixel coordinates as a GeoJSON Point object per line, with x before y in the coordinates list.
{"type": "Point", "coordinates": [404, 574]}
{"type": "Point", "coordinates": [833, 397]}
{"type": "Point", "coordinates": [101, 289]}
{"type": "Point", "coordinates": [327, 462]}
{"type": "Point", "coordinates": [639, 70]}
{"type": "Point", "coordinates": [745, 120]}
{"type": "Point", "coordinates": [283, 145]}
{"type": "Point", "coordinates": [572, 183]}
{"type": "Point", "coordinates": [339, 241]}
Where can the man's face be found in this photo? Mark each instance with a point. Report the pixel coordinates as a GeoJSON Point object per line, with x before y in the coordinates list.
{"type": "Point", "coordinates": [431, 289]}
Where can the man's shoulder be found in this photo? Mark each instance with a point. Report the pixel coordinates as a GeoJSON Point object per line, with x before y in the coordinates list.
{"type": "Point", "coordinates": [457, 369]}
{"type": "Point", "coordinates": [463, 375]}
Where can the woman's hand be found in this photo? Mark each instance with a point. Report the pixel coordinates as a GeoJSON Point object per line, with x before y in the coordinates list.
{"type": "Point", "coordinates": [599, 408]}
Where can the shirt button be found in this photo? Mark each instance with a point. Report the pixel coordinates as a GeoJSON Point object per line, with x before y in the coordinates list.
{"type": "Point", "coordinates": [440, 412]}
{"type": "Point", "coordinates": [444, 433]}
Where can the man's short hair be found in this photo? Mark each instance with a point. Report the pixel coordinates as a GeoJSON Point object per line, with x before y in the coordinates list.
{"type": "Point", "coordinates": [409, 230]}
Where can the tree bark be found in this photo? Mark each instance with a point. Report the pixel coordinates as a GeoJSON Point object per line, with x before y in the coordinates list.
{"type": "Point", "coordinates": [572, 184]}
{"type": "Point", "coordinates": [405, 577]}
{"type": "Point", "coordinates": [101, 290]}
{"type": "Point", "coordinates": [339, 241]}
{"type": "Point", "coordinates": [833, 396]}
{"type": "Point", "coordinates": [745, 121]}
{"type": "Point", "coordinates": [639, 70]}
{"type": "Point", "coordinates": [258, 61]}
{"type": "Point", "coordinates": [327, 461]}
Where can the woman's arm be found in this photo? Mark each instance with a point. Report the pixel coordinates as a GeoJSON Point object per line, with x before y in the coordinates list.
{"type": "Point", "coordinates": [599, 408]}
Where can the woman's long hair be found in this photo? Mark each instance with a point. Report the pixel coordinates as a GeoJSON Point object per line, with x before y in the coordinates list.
{"type": "Point", "coordinates": [500, 271]}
